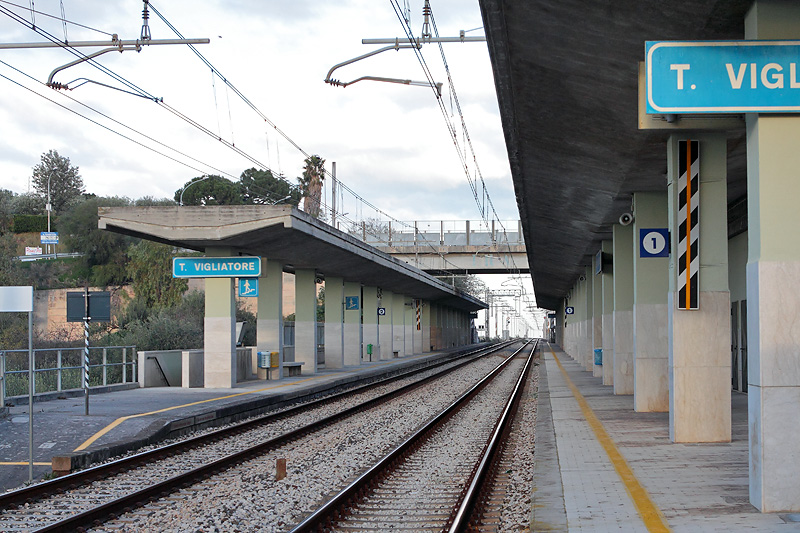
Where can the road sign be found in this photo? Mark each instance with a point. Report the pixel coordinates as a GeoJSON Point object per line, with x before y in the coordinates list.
{"type": "Point", "coordinates": [248, 287]}
{"type": "Point", "coordinates": [569, 310]}
{"type": "Point", "coordinates": [49, 237]}
{"type": "Point", "coordinates": [653, 242]}
{"type": "Point", "coordinates": [381, 311]}
{"type": "Point", "coordinates": [216, 267]}
{"type": "Point", "coordinates": [351, 303]}
{"type": "Point", "coordinates": [722, 77]}
{"type": "Point", "coordinates": [99, 306]}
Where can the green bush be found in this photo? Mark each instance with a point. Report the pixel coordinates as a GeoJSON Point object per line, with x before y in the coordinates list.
{"type": "Point", "coordinates": [30, 223]}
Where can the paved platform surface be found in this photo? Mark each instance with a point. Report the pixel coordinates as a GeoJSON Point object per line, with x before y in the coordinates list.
{"type": "Point", "coordinates": [684, 487]}
{"type": "Point", "coordinates": [123, 420]}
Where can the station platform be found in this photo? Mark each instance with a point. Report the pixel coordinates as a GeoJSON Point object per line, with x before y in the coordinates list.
{"type": "Point", "coordinates": [125, 420]}
{"type": "Point", "coordinates": [601, 467]}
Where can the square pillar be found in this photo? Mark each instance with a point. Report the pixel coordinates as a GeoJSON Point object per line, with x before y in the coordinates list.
{"type": "Point", "coordinates": [385, 325]}
{"type": "Point", "coordinates": [607, 294]}
{"type": "Point", "coordinates": [597, 315]}
{"type": "Point", "coordinates": [398, 325]}
{"type": "Point", "coordinates": [416, 325]}
{"type": "Point", "coordinates": [352, 325]}
{"type": "Point", "coordinates": [436, 326]}
{"type": "Point", "coordinates": [269, 322]}
{"type": "Point", "coordinates": [587, 350]}
{"type": "Point", "coordinates": [623, 308]}
{"type": "Point", "coordinates": [334, 322]}
{"type": "Point", "coordinates": [700, 340]}
{"type": "Point", "coordinates": [650, 287]}
{"type": "Point", "coordinates": [219, 325]}
{"type": "Point", "coordinates": [773, 285]}
{"type": "Point", "coordinates": [370, 327]}
{"type": "Point", "coordinates": [408, 321]}
{"type": "Point", "coordinates": [427, 308]}
{"type": "Point", "coordinates": [305, 320]}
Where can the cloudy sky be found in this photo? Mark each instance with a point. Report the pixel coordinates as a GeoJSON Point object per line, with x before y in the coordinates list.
{"type": "Point", "coordinates": [391, 142]}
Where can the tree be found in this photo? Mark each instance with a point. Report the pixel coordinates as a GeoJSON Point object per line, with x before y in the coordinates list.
{"type": "Point", "coordinates": [104, 252]}
{"type": "Point", "coordinates": [56, 174]}
{"type": "Point", "coordinates": [27, 204]}
{"type": "Point", "coordinates": [209, 190]}
{"type": "Point", "coordinates": [6, 210]}
{"type": "Point", "coordinates": [311, 184]}
{"type": "Point", "coordinates": [262, 187]}
{"type": "Point", "coordinates": [149, 268]}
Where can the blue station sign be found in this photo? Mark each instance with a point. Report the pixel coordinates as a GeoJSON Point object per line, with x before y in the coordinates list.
{"type": "Point", "coordinates": [722, 77]}
{"type": "Point", "coordinates": [216, 267]}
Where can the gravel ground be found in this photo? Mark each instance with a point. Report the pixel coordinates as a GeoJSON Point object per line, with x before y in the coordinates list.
{"type": "Point", "coordinates": [248, 498]}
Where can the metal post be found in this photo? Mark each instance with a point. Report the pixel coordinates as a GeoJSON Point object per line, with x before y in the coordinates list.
{"type": "Point", "coordinates": [105, 368]}
{"type": "Point", "coordinates": [124, 365]}
{"type": "Point", "coordinates": [30, 396]}
{"type": "Point", "coordinates": [333, 194]}
{"type": "Point", "coordinates": [59, 365]}
{"type": "Point", "coordinates": [86, 349]}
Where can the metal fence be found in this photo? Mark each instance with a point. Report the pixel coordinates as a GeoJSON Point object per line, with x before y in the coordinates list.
{"type": "Point", "coordinates": [57, 369]}
{"type": "Point", "coordinates": [288, 342]}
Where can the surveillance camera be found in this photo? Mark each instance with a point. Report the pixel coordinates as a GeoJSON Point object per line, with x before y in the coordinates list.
{"type": "Point", "coordinates": [625, 219]}
{"type": "Point", "coordinates": [582, 278]}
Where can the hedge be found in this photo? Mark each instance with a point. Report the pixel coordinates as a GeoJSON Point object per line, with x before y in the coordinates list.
{"type": "Point", "coordinates": [31, 223]}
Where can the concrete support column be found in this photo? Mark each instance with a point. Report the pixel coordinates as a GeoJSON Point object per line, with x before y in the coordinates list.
{"type": "Point", "coordinates": [370, 326]}
{"type": "Point", "coordinates": [588, 321]}
{"type": "Point", "coordinates": [408, 321]}
{"type": "Point", "coordinates": [427, 308]}
{"type": "Point", "coordinates": [607, 291]}
{"type": "Point", "coordinates": [398, 325]}
{"type": "Point", "coordinates": [700, 340]}
{"type": "Point", "coordinates": [597, 315]}
{"type": "Point", "coordinates": [623, 309]}
{"type": "Point", "coordinates": [385, 325]}
{"type": "Point", "coordinates": [352, 325]}
{"type": "Point", "coordinates": [334, 322]}
{"type": "Point", "coordinates": [269, 323]}
{"type": "Point", "coordinates": [219, 344]}
{"type": "Point", "coordinates": [416, 325]}
{"type": "Point", "coordinates": [436, 326]}
{"type": "Point", "coordinates": [305, 320]}
{"type": "Point", "coordinates": [773, 285]}
{"type": "Point", "coordinates": [650, 287]}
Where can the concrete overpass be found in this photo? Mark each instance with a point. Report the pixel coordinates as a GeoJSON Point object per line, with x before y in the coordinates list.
{"type": "Point", "coordinates": [452, 246]}
{"type": "Point", "coordinates": [421, 313]}
{"type": "Point", "coordinates": [582, 154]}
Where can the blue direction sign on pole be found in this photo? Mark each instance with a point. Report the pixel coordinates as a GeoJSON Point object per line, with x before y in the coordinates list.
{"type": "Point", "coordinates": [49, 237]}
{"type": "Point", "coordinates": [248, 287]}
{"type": "Point", "coordinates": [216, 267]}
{"type": "Point", "coordinates": [722, 77]}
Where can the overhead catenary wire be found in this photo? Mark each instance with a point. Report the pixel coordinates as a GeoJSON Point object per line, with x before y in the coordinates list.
{"type": "Point", "coordinates": [34, 12]}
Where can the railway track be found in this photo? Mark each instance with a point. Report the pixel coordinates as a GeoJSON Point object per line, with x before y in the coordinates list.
{"type": "Point", "coordinates": [91, 497]}
{"type": "Point", "coordinates": [442, 476]}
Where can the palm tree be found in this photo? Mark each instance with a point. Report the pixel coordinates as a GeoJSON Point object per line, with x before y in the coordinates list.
{"type": "Point", "coordinates": [311, 183]}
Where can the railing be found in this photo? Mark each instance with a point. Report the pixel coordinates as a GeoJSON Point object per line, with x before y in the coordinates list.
{"type": "Point", "coordinates": [427, 233]}
{"type": "Point", "coordinates": [288, 342]}
{"type": "Point", "coordinates": [59, 369]}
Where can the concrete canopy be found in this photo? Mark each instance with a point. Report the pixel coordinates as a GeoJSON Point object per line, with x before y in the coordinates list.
{"type": "Point", "coordinates": [566, 74]}
{"type": "Point", "coordinates": [286, 235]}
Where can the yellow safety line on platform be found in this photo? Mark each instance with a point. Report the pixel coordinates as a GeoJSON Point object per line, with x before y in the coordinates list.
{"type": "Point", "coordinates": [653, 520]}
{"type": "Point", "coordinates": [120, 420]}
{"type": "Point", "coordinates": [21, 463]}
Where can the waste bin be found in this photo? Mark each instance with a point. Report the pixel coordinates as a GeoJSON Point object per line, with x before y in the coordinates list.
{"type": "Point", "coordinates": [598, 356]}
{"type": "Point", "coordinates": [369, 349]}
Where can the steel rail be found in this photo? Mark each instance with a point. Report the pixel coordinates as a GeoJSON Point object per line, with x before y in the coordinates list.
{"type": "Point", "coordinates": [126, 503]}
{"type": "Point", "coordinates": [324, 515]}
{"type": "Point", "coordinates": [50, 487]}
{"type": "Point", "coordinates": [465, 515]}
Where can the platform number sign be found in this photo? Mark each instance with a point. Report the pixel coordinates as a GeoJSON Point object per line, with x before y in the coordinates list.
{"type": "Point", "coordinates": [653, 242]}
{"type": "Point", "coordinates": [569, 311]}
{"type": "Point", "coordinates": [381, 311]}
{"type": "Point", "coordinates": [688, 224]}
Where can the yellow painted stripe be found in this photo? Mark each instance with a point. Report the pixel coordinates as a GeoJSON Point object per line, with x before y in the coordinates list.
{"type": "Point", "coordinates": [653, 520]}
{"type": "Point", "coordinates": [88, 442]}
{"type": "Point", "coordinates": [21, 463]}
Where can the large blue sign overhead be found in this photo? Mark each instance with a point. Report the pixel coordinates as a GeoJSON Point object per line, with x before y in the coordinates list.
{"type": "Point", "coordinates": [216, 267]}
{"type": "Point", "coordinates": [722, 77]}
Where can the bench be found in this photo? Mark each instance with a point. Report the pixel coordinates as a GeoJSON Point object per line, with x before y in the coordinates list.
{"type": "Point", "coordinates": [292, 368]}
